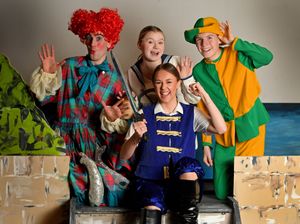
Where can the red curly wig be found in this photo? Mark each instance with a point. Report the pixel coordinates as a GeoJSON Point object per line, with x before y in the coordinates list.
{"type": "Point", "coordinates": [107, 22]}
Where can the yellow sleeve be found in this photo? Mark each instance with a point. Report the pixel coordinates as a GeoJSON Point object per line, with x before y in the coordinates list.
{"type": "Point", "coordinates": [207, 140]}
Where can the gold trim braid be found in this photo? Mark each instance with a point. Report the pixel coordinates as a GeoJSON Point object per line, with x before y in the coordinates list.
{"type": "Point", "coordinates": [169, 133]}
{"type": "Point", "coordinates": [166, 118]}
{"type": "Point", "coordinates": [168, 149]}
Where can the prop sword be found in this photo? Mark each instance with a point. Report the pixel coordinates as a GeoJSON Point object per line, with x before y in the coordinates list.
{"type": "Point", "coordinates": [136, 114]}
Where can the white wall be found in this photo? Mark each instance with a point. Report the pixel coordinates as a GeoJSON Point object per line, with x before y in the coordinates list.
{"type": "Point", "coordinates": [26, 24]}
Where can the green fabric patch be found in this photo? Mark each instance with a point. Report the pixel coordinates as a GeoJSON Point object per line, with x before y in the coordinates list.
{"type": "Point", "coordinates": [208, 76]}
{"type": "Point", "coordinates": [260, 56]}
{"type": "Point", "coordinates": [23, 128]}
{"type": "Point", "coordinates": [256, 117]}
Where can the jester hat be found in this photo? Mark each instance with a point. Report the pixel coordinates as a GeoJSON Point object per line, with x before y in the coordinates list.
{"type": "Point", "coordinates": [203, 25]}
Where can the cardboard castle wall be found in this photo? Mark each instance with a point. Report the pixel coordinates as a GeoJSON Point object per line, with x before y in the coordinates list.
{"type": "Point", "coordinates": [267, 189]}
{"type": "Point", "coordinates": [34, 189]}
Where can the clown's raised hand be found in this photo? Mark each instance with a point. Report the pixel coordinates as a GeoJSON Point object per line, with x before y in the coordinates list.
{"type": "Point", "coordinates": [47, 56]}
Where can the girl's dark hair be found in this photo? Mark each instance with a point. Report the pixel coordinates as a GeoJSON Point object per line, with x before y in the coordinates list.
{"type": "Point", "coordinates": [146, 30]}
{"type": "Point", "coordinates": [166, 67]}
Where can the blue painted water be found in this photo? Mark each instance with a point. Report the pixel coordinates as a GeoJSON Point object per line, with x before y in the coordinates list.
{"type": "Point", "coordinates": [282, 133]}
{"type": "Point", "coordinates": [283, 130]}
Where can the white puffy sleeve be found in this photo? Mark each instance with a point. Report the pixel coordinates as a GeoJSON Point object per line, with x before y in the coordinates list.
{"type": "Point", "coordinates": [120, 125]}
{"type": "Point", "coordinates": [45, 84]}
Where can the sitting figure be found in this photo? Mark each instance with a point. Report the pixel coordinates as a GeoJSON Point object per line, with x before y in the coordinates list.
{"type": "Point", "coordinates": [163, 144]}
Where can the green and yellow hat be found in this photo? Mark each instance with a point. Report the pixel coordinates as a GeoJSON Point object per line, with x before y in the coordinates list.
{"type": "Point", "coordinates": [203, 25]}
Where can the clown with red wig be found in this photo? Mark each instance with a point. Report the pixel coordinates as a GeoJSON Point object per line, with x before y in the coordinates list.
{"type": "Point", "coordinates": [81, 88]}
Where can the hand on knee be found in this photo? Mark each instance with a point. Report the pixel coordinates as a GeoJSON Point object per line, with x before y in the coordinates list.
{"type": "Point", "coordinates": [152, 207]}
{"type": "Point", "coordinates": [188, 176]}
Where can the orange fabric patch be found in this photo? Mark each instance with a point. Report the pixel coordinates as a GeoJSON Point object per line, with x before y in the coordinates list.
{"type": "Point", "coordinates": [240, 84]}
{"type": "Point", "coordinates": [254, 146]}
{"type": "Point", "coordinates": [228, 138]}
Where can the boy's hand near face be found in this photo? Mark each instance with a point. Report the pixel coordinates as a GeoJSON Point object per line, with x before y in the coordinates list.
{"type": "Point", "coordinates": [227, 37]}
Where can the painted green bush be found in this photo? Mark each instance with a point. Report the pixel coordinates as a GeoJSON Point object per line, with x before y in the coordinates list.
{"type": "Point", "coordinates": [23, 128]}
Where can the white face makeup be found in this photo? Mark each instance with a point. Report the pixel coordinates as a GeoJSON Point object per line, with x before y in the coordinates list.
{"type": "Point", "coordinates": [97, 47]}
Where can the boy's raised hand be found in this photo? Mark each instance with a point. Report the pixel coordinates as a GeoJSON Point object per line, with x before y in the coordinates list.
{"type": "Point", "coordinates": [227, 36]}
{"type": "Point", "coordinates": [197, 89]}
{"type": "Point", "coordinates": [47, 57]}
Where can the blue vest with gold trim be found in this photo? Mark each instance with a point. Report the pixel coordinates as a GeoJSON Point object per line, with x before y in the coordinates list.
{"type": "Point", "coordinates": [167, 136]}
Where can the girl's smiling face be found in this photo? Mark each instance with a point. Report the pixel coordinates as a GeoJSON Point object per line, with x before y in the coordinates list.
{"type": "Point", "coordinates": [166, 85]}
{"type": "Point", "coordinates": [152, 46]}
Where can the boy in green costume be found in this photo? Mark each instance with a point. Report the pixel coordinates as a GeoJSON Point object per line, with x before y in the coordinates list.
{"type": "Point", "coordinates": [228, 76]}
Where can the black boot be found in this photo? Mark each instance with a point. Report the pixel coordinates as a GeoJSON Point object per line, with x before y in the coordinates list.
{"type": "Point", "coordinates": [188, 198]}
{"type": "Point", "coordinates": [150, 216]}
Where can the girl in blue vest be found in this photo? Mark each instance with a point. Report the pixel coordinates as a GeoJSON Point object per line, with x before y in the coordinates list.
{"type": "Point", "coordinates": [163, 145]}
